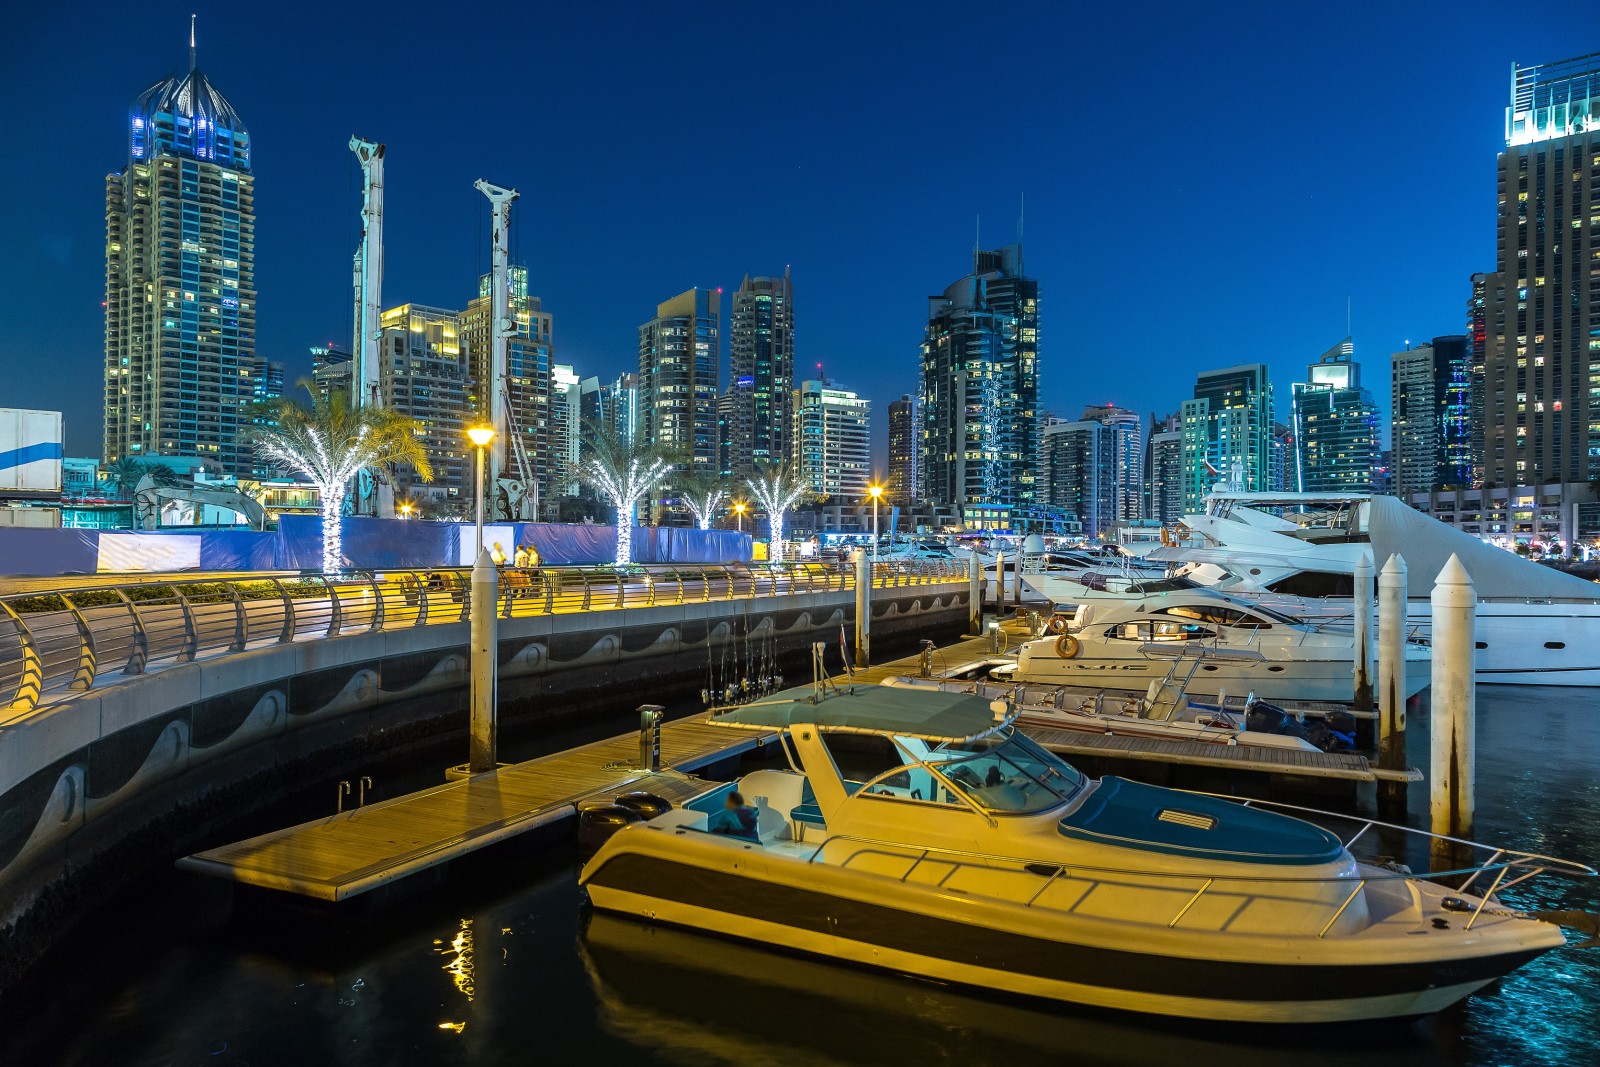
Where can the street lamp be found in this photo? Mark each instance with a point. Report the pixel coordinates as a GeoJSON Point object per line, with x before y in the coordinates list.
{"type": "Point", "coordinates": [738, 510]}
{"type": "Point", "coordinates": [876, 492]}
{"type": "Point", "coordinates": [406, 509]}
{"type": "Point", "coordinates": [480, 437]}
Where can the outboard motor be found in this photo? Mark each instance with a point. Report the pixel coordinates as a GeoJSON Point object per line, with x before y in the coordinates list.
{"type": "Point", "coordinates": [596, 824]}
{"type": "Point", "coordinates": [648, 805]}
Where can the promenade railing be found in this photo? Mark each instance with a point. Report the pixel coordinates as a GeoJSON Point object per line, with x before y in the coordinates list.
{"type": "Point", "coordinates": [71, 639]}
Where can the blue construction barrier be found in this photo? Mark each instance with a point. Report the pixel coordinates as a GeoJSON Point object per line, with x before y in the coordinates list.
{"type": "Point", "coordinates": [370, 544]}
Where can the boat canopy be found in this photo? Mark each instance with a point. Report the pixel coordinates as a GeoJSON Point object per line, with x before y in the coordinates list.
{"type": "Point", "coordinates": [926, 714]}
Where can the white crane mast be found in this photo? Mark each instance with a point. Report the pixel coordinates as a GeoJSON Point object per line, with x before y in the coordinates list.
{"type": "Point", "coordinates": [501, 330]}
{"type": "Point", "coordinates": [366, 380]}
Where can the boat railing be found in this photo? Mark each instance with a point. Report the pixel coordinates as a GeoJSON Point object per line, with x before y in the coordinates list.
{"type": "Point", "coordinates": [1509, 867]}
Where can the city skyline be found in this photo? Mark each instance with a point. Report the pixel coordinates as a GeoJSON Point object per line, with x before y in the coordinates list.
{"type": "Point", "coordinates": [569, 240]}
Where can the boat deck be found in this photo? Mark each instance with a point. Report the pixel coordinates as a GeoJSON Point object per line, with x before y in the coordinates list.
{"type": "Point", "coordinates": [351, 853]}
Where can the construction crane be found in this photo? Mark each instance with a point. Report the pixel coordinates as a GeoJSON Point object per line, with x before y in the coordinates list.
{"type": "Point", "coordinates": [510, 498]}
{"type": "Point", "coordinates": [372, 497]}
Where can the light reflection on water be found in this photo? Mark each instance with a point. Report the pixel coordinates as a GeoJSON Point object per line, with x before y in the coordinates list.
{"type": "Point", "coordinates": [505, 971]}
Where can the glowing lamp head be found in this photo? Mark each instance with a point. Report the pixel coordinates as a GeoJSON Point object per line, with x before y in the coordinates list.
{"type": "Point", "coordinates": [481, 435]}
{"type": "Point", "coordinates": [740, 506]}
{"type": "Point", "coordinates": [875, 490]}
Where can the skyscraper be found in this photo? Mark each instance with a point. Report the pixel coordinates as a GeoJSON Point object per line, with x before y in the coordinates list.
{"type": "Point", "coordinates": [331, 367]}
{"type": "Point", "coordinates": [1078, 471]}
{"type": "Point", "coordinates": [1542, 358]}
{"type": "Point", "coordinates": [1127, 446]}
{"type": "Point", "coordinates": [611, 404]}
{"type": "Point", "coordinates": [1164, 470]}
{"type": "Point", "coordinates": [423, 374]}
{"type": "Point", "coordinates": [1228, 433]}
{"type": "Point", "coordinates": [566, 407]}
{"type": "Point", "coordinates": [1477, 347]}
{"type": "Point", "coordinates": [761, 358]}
{"type": "Point", "coordinates": [980, 386]}
{"type": "Point", "coordinates": [180, 315]}
{"type": "Point", "coordinates": [832, 442]}
{"type": "Point", "coordinates": [529, 352]}
{"type": "Point", "coordinates": [1431, 413]}
{"type": "Point", "coordinates": [901, 483]}
{"type": "Point", "coordinates": [679, 357]}
{"type": "Point", "coordinates": [1333, 427]}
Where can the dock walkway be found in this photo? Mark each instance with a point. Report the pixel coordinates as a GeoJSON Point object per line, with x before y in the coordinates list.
{"type": "Point", "coordinates": [358, 850]}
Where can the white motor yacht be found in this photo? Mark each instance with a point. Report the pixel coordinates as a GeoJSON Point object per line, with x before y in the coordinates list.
{"type": "Point", "coordinates": [1535, 625]}
{"type": "Point", "coordinates": [957, 850]}
{"type": "Point", "coordinates": [1213, 643]}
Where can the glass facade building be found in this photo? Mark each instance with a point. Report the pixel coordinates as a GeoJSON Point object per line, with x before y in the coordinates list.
{"type": "Point", "coordinates": [979, 393]}
{"type": "Point", "coordinates": [761, 360]}
{"type": "Point", "coordinates": [901, 483]}
{"type": "Point", "coordinates": [1334, 427]}
{"type": "Point", "coordinates": [832, 442]}
{"type": "Point", "coordinates": [180, 287]}
{"type": "Point", "coordinates": [1228, 433]}
{"type": "Point", "coordinates": [1431, 410]}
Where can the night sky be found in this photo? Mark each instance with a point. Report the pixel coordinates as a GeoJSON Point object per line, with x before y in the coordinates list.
{"type": "Point", "coordinates": [1205, 183]}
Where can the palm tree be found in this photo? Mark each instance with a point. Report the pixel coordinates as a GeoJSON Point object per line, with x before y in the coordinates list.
{"type": "Point", "coordinates": [703, 494]}
{"type": "Point", "coordinates": [622, 470]}
{"type": "Point", "coordinates": [124, 475]}
{"type": "Point", "coordinates": [330, 442]}
{"type": "Point", "coordinates": [776, 489]}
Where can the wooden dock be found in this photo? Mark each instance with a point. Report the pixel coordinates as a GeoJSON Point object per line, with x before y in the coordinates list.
{"type": "Point", "coordinates": [359, 850]}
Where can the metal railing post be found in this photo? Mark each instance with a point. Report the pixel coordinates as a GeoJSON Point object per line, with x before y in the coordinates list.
{"type": "Point", "coordinates": [549, 593]}
{"type": "Point", "coordinates": [139, 643]}
{"type": "Point", "coordinates": [30, 684]}
{"type": "Point", "coordinates": [191, 632]}
{"type": "Point", "coordinates": [335, 623]}
{"type": "Point", "coordinates": [622, 590]}
{"type": "Point", "coordinates": [422, 602]}
{"type": "Point", "coordinates": [585, 578]}
{"type": "Point", "coordinates": [287, 633]}
{"type": "Point", "coordinates": [377, 603]}
{"type": "Point", "coordinates": [83, 677]}
{"type": "Point", "coordinates": [241, 622]}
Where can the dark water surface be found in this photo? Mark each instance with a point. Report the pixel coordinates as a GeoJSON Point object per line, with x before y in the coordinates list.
{"type": "Point", "coordinates": [501, 965]}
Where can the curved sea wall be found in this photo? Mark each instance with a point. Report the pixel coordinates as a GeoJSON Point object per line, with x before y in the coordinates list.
{"type": "Point", "coordinates": [99, 785]}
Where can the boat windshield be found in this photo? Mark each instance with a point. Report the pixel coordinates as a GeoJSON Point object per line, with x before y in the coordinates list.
{"type": "Point", "coordinates": [1006, 772]}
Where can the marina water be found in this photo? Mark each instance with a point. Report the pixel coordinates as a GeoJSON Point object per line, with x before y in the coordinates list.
{"type": "Point", "coordinates": [502, 964]}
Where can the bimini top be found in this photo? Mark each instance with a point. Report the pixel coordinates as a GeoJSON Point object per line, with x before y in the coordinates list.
{"type": "Point", "coordinates": [928, 714]}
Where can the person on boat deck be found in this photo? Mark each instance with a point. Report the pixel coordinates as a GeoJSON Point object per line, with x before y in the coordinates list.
{"type": "Point", "coordinates": [736, 819]}
{"type": "Point", "coordinates": [519, 560]}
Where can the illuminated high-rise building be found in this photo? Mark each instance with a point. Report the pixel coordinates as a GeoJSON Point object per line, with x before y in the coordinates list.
{"type": "Point", "coordinates": [423, 374]}
{"type": "Point", "coordinates": [679, 356]}
{"type": "Point", "coordinates": [978, 401]}
{"type": "Point", "coordinates": [761, 361]}
{"type": "Point", "coordinates": [1333, 432]}
{"type": "Point", "coordinates": [180, 314]}
{"type": "Point", "coordinates": [1228, 434]}
{"type": "Point", "coordinates": [902, 480]}
{"type": "Point", "coordinates": [1431, 413]}
{"type": "Point", "coordinates": [529, 351]}
{"type": "Point", "coordinates": [1163, 465]}
{"type": "Point", "coordinates": [1541, 389]}
{"type": "Point", "coordinates": [832, 442]}
{"type": "Point", "coordinates": [1127, 468]}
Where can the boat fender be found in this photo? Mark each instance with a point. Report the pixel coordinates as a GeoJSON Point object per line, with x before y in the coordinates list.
{"type": "Point", "coordinates": [596, 824]}
{"type": "Point", "coordinates": [1066, 646]}
{"type": "Point", "coordinates": [647, 805]}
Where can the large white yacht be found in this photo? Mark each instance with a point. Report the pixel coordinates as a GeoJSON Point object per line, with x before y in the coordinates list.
{"type": "Point", "coordinates": [957, 850]}
{"type": "Point", "coordinates": [1536, 625]}
{"type": "Point", "coordinates": [1214, 643]}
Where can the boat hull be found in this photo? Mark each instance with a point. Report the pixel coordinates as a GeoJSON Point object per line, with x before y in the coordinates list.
{"type": "Point", "coordinates": [949, 937]}
{"type": "Point", "coordinates": [1331, 681]}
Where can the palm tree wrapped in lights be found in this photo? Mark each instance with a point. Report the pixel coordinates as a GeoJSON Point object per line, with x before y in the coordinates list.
{"type": "Point", "coordinates": [330, 442]}
{"type": "Point", "coordinates": [703, 494]}
{"type": "Point", "coordinates": [623, 471]}
{"type": "Point", "coordinates": [776, 489]}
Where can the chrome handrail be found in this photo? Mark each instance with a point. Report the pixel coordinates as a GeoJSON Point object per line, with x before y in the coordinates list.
{"type": "Point", "coordinates": [67, 637]}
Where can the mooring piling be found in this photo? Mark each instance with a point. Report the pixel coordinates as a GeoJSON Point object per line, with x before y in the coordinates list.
{"type": "Point", "coordinates": [1454, 710]}
{"type": "Point", "coordinates": [1392, 594]}
{"type": "Point", "coordinates": [1363, 633]}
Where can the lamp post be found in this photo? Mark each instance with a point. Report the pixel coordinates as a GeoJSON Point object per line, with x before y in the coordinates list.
{"type": "Point", "coordinates": [480, 437]}
{"type": "Point", "coordinates": [406, 509]}
{"type": "Point", "coordinates": [876, 492]}
{"type": "Point", "coordinates": [738, 510]}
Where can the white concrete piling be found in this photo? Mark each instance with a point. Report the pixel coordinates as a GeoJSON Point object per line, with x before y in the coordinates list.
{"type": "Point", "coordinates": [999, 581]}
{"type": "Point", "coordinates": [974, 595]}
{"type": "Point", "coordinates": [1016, 581]}
{"type": "Point", "coordinates": [1454, 708]}
{"type": "Point", "coordinates": [1393, 588]}
{"type": "Point", "coordinates": [484, 726]}
{"type": "Point", "coordinates": [863, 608]}
{"type": "Point", "coordinates": [1363, 633]}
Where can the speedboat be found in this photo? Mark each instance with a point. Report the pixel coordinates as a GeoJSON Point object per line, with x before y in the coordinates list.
{"type": "Point", "coordinates": [1535, 625]}
{"type": "Point", "coordinates": [957, 850]}
{"type": "Point", "coordinates": [1225, 645]}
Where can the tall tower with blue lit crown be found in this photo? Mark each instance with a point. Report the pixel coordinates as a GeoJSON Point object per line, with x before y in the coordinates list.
{"type": "Point", "coordinates": [180, 278]}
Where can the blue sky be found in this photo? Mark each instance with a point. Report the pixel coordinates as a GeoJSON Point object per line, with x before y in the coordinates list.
{"type": "Point", "coordinates": [1205, 184]}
